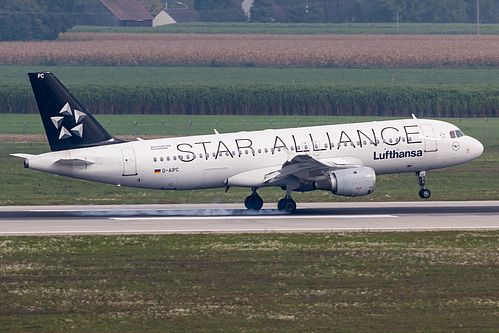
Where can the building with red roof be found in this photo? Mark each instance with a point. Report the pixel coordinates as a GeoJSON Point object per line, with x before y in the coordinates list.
{"type": "Point", "coordinates": [116, 13]}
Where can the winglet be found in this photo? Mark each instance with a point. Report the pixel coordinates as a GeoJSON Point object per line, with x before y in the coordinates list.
{"type": "Point", "coordinates": [414, 116]}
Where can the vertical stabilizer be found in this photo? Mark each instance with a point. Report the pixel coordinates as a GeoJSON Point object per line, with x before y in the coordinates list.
{"type": "Point", "coordinates": [67, 123]}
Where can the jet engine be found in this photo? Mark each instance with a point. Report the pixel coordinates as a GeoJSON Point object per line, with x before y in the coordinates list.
{"type": "Point", "coordinates": [351, 182]}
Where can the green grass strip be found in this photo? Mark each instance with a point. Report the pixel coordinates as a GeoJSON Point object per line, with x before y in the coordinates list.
{"type": "Point", "coordinates": [377, 282]}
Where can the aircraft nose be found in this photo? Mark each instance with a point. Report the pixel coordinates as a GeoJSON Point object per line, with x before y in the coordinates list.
{"type": "Point", "coordinates": [476, 148]}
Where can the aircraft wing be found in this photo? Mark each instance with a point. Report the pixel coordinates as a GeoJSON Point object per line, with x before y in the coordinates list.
{"type": "Point", "coordinates": [307, 167]}
{"type": "Point", "coordinates": [303, 167]}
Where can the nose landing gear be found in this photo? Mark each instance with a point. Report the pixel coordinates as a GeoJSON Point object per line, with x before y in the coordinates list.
{"type": "Point", "coordinates": [424, 193]}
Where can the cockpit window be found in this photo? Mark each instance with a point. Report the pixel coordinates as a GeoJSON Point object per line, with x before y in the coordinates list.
{"type": "Point", "coordinates": [456, 134]}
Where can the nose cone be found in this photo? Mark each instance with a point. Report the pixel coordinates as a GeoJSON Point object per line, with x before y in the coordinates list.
{"type": "Point", "coordinates": [475, 148]}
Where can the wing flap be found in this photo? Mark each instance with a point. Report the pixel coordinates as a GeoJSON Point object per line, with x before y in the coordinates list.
{"type": "Point", "coordinates": [308, 168]}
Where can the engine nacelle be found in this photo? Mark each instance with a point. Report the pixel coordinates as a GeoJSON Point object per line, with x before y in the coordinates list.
{"type": "Point", "coordinates": [351, 182]}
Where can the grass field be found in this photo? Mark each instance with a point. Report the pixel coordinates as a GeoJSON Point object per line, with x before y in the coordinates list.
{"type": "Point", "coordinates": [182, 125]}
{"type": "Point", "coordinates": [304, 28]}
{"type": "Point", "coordinates": [160, 74]}
{"type": "Point", "coordinates": [376, 282]}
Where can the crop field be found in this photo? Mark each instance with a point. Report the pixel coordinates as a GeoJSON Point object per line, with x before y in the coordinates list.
{"type": "Point", "coordinates": [278, 99]}
{"type": "Point", "coordinates": [377, 282]}
{"type": "Point", "coordinates": [257, 50]}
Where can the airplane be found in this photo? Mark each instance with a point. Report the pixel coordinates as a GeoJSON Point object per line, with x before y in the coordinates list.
{"type": "Point", "coordinates": [342, 159]}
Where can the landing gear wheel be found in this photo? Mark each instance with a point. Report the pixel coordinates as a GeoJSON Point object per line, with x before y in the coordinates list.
{"type": "Point", "coordinates": [424, 193]}
{"type": "Point", "coordinates": [287, 205]}
{"type": "Point", "coordinates": [253, 202]}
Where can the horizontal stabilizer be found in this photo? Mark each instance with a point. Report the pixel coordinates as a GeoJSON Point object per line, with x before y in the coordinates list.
{"type": "Point", "coordinates": [74, 161]}
{"type": "Point", "coordinates": [21, 155]}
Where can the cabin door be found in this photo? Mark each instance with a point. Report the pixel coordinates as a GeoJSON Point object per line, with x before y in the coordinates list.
{"type": "Point", "coordinates": [129, 162]}
{"type": "Point", "coordinates": [429, 138]}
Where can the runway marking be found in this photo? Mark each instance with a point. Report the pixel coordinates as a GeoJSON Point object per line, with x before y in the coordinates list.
{"type": "Point", "coordinates": [55, 210]}
{"type": "Point", "coordinates": [249, 217]}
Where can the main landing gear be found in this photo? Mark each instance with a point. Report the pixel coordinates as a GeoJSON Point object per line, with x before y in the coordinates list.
{"type": "Point", "coordinates": [255, 202]}
{"type": "Point", "coordinates": [287, 204]}
{"type": "Point", "coordinates": [424, 193]}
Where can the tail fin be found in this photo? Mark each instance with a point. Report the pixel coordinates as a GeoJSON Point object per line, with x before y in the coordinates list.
{"type": "Point", "coordinates": [67, 123]}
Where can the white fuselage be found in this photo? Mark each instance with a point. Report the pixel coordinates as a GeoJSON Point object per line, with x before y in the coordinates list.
{"type": "Point", "coordinates": [208, 161]}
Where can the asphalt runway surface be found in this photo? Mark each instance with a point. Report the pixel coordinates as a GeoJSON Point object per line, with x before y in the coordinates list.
{"type": "Point", "coordinates": [233, 218]}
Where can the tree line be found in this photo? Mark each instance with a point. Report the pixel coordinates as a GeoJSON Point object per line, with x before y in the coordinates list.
{"type": "Point", "coordinates": [374, 11]}
{"type": "Point", "coordinates": [37, 19]}
{"type": "Point", "coordinates": [45, 19]}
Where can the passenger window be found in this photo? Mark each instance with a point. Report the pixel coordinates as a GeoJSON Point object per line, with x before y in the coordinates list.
{"type": "Point", "coordinates": [155, 159]}
{"type": "Point", "coordinates": [167, 158]}
{"type": "Point", "coordinates": [161, 158]}
{"type": "Point", "coordinates": [174, 158]}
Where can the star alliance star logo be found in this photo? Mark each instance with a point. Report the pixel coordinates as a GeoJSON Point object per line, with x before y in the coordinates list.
{"type": "Point", "coordinates": [67, 112]}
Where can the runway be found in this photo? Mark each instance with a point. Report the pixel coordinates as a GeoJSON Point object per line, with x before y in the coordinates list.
{"type": "Point", "coordinates": [233, 218]}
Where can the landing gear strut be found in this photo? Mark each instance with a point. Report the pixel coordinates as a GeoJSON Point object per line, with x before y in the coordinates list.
{"type": "Point", "coordinates": [254, 201]}
{"type": "Point", "coordinates": [287, 204]}
{"type": "Point", "coordinates": [424, 193]}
